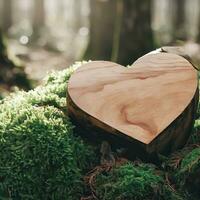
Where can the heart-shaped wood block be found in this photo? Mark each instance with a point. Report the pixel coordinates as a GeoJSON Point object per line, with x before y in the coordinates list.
{"type": "Point", "coordinates": [151, 105]}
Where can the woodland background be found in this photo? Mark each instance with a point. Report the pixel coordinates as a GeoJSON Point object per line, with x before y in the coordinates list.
{"type": "Point", "coordinates": [42, 155]}
{"type": "Point", "coordinates": [54, 34]}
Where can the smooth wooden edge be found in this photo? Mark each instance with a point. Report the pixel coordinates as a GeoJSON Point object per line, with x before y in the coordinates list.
{"type": "Point", "coordinates": [181, 52]}
{"type": "Point", "coordinates": [191, 109]}
{"type": "Point", "coordinates": [95, 134]}
{"type": "Point", "coordinates": [88, 122]}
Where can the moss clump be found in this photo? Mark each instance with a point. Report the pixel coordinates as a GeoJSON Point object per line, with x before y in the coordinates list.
{"type": "Point", "coordinates": [195, 137]}
{"type": "Point", "coordinates": [190, 162]}
{"type": "Point", "coordinates": [130, 181]}
{"type": "Point", "coordinates": [188, 174]}
{"type": "Point", "coordinates": [40, 156]}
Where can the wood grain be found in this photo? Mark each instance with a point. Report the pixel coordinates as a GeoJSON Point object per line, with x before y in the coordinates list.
{"type": "Point", "coordinates": [152, 104]}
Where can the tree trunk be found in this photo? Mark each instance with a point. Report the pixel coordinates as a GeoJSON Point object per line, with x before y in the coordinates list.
{"type": "Point", "coordinates": [102, 18]}
{"type": "Point", "coordinates": [136, 37]}
{"type": "Point", "coordinates": [6, 15]}
{"type": "Point", "coordinates": [120, 30]}
{"type": "Point", "coordinates": [77, 14]}
{"type": "Point", "coordinates": [198, 36]}
{"type": "Point", "coordinates": [179, 21]}
{"type": "Point", "coordinates": [38, 18]}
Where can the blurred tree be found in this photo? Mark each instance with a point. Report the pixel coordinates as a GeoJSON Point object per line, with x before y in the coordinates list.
{"type": "Point", "coordinates": [38, 18]}
{"type": "Point", "coordinates": [11, 73]}
{"type": "Point", "coordinates": [120, 30]}
{"type": "Point", "coordinates": [198, 35]}
{"type": "Point", "coordinates": [102, 18]}
{"type": "Point", "coordinates": [179, 30]}
{"type": "Point", "coordinates": [77, 14]}
{"type": "Point", "coordinates": [6, 15]}
{"type": "Point", "coordinates": [136, 36]}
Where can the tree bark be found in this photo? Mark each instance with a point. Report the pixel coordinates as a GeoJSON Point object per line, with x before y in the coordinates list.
{"type": "Point", "coordinates": [102, 18]}
{"type": "Point", "coordinates": [179, 21]}
{"type": "Point", "coordinates": [120, 30]}
{"type": "Point", "coordinates": [136, 37]}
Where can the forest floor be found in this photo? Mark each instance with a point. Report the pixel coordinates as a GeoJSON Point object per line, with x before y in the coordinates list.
{"type": "Point", "coordinates": [39, 61]}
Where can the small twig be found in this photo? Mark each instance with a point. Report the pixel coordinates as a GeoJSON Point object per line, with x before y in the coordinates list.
{"type": "Point", "coordinates": [168, 182]}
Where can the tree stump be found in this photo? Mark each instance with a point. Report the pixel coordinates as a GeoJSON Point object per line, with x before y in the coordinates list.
{"type": "Point", "coordinates": [147, 109]}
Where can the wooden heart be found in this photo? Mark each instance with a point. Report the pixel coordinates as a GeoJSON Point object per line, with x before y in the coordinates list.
{"type": "Point", "coordinates": [151, 105]}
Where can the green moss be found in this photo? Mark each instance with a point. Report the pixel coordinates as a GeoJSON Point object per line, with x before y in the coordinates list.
{"type": "Point", "coordinates": [40, 156]}
{"type": "Point", "coordinates": [187, 175]}
{"type": "Point", "coordinates": [195, 137]}
{"type": "Point", "coordinates": [190, 161]}
{"type": "Point", "coordinates": [189, 164]}
{"type": "Point", "coordinates": [137, 182]}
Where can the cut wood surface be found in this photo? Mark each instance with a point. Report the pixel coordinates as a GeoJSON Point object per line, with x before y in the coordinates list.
{"type": "Point", "coordinates": [152, 104]}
